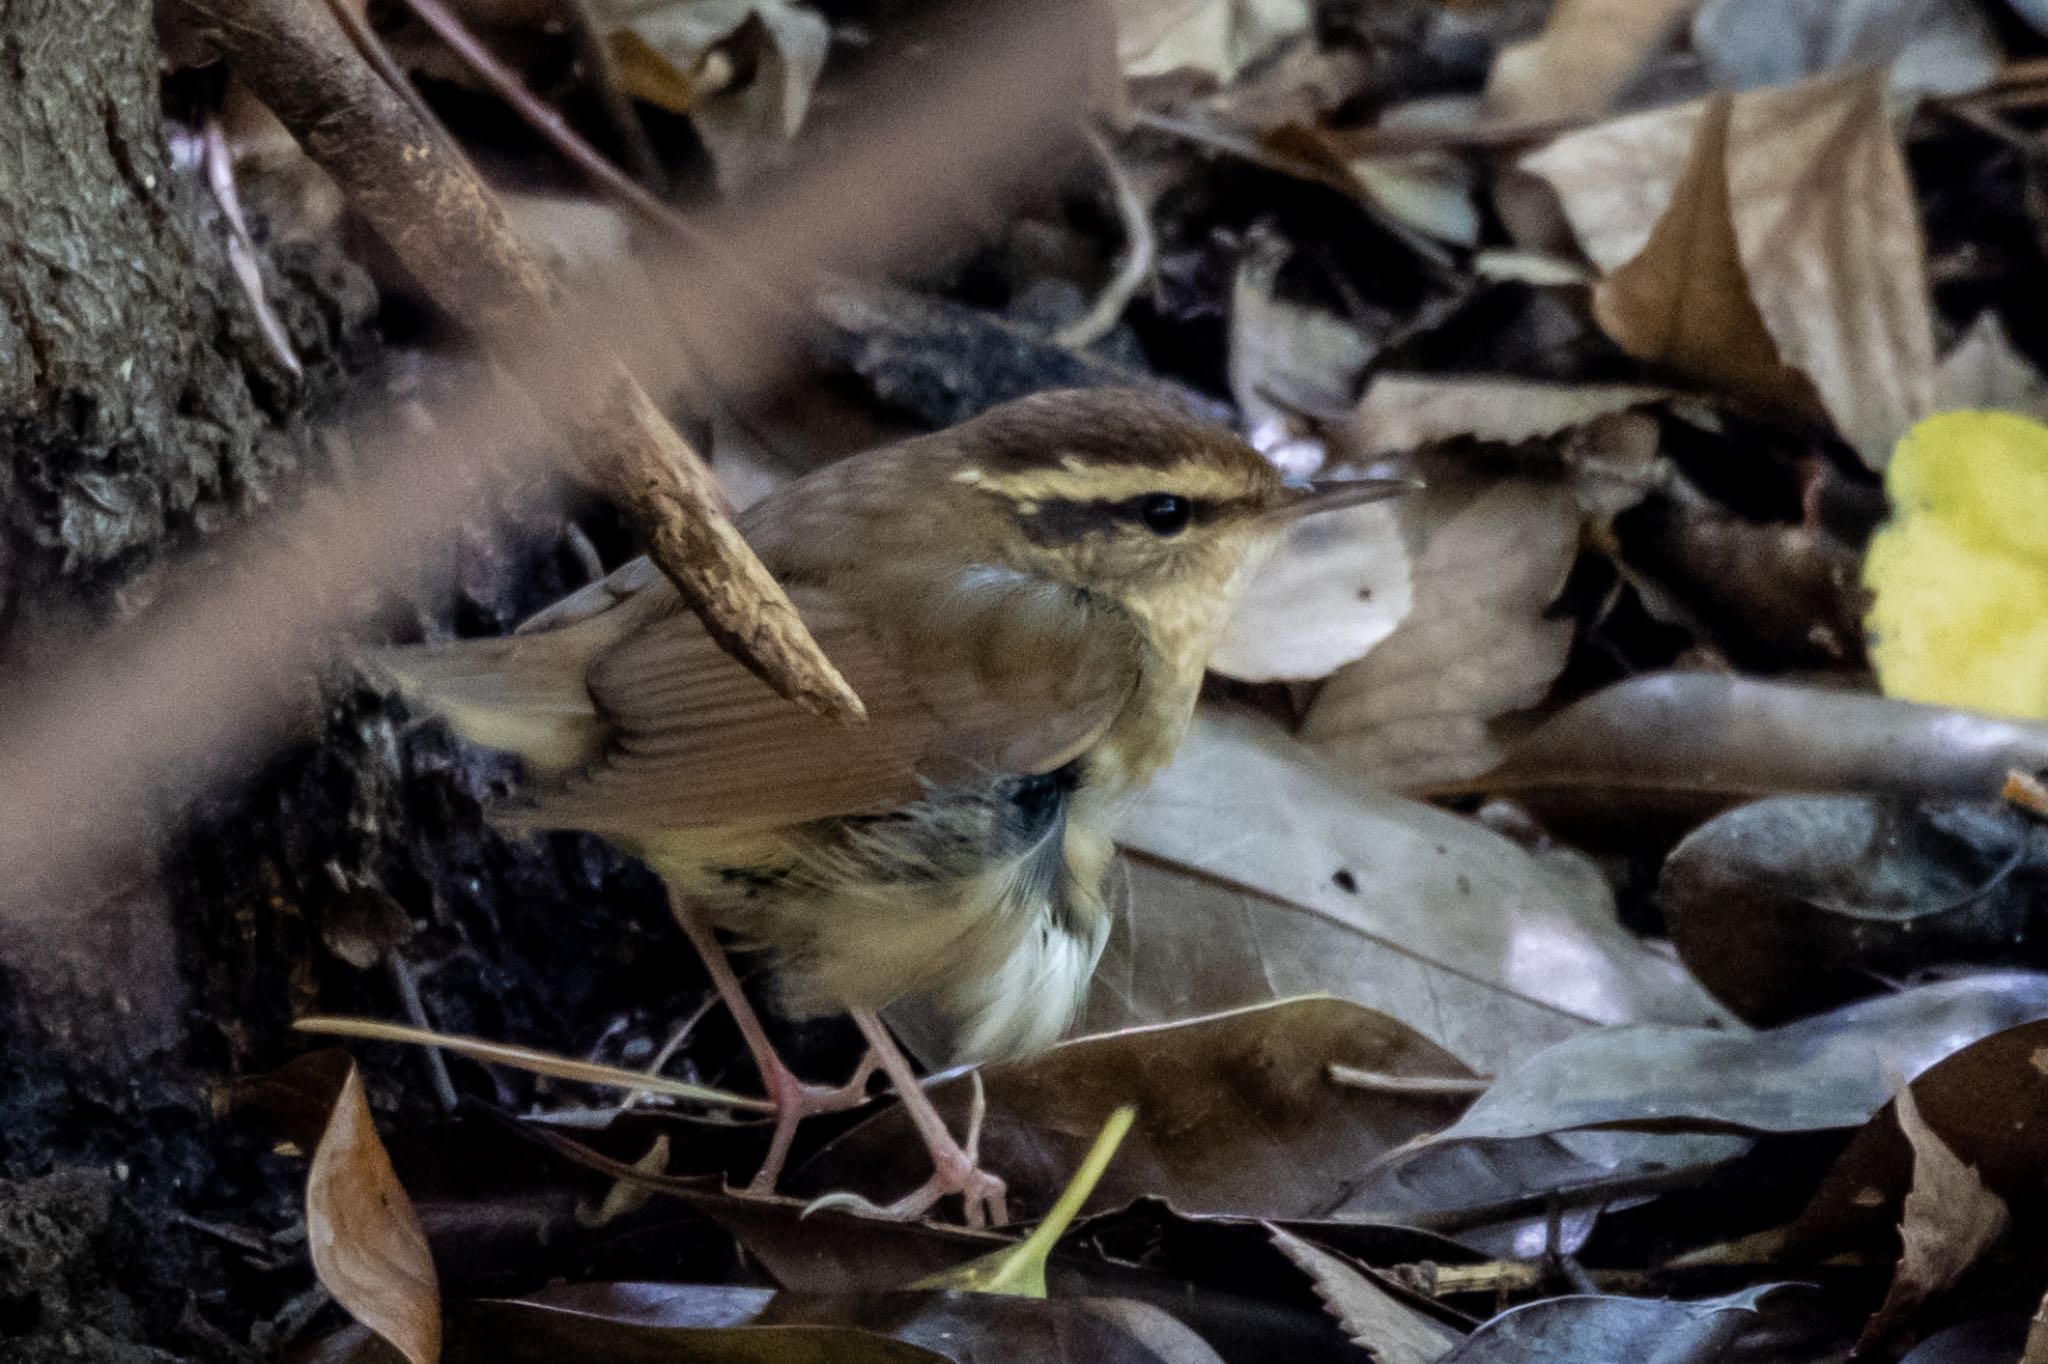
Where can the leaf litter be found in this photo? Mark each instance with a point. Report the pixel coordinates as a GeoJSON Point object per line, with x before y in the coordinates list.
{"type": "Point", "coordinates": [1544, 864]}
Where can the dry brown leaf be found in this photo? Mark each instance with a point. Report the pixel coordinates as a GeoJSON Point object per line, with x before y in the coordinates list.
{"type": "Point", "coordinates": [1787, 251]}
{"type": "Point", "coordinates": [1389, 1330]}
{"type": "Point", "coordinates": [1476, 645]}
{"type": "Point", "coordinates": [1337, 586]}
{"type": "Point", "coordinates": [1237, 1113]}
{"type": "Point", "coordinates": [1684, 301]}
{"type": "Point", "coordinates": [1218, 38]}
{"type": "Point", "coordinates": [1983, 370]}
{"type": "Point", "coordinates": [1585, 56]}
{"type": "Point", "coordinates": [365, 1239]}
{"type": "Point", "coordinates": [1929, 46]}
{"type": "Point", "coordinates": [1951, 1219]}
{"type": "Point", "coordinates": [1402, 412]}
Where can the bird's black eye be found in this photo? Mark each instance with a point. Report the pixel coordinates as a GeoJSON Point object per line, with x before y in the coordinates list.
{"type": "Point", "coordinates": [1165, 513]}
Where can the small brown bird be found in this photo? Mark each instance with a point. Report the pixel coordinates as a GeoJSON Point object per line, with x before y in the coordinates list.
{"type": "Point", "coordinates": [1026, 603]}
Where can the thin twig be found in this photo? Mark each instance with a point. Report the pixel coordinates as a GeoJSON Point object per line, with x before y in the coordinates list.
{"type": "Point", "coordinates": [556, 131]}
{"type": "Point", "coordinates": [596, 51]}
{"type": "Point", "coordinates": [408, 987]}
{"type": "Point", "coordinates": [1987, 120]}
{"type": "Point", "coordinates": [676, 1038]}
{"type": "Point", "coordinates": [1141, 250]}
{"type": "Point", "coordinates": [527, 1059]}
{"type": "Point", "coordinates": [371, 49]}
{"type": "Point", "coordinates": [2027, 791]}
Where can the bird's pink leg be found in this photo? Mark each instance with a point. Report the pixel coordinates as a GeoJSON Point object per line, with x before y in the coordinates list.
{"type": "Point", "coordinates": [956, 1167]}
{"type": "Point", "coordinates": [793, 1099]}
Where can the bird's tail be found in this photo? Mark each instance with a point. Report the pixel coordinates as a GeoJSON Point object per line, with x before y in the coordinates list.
{"type": "Point", "coordinates": [524, 694]}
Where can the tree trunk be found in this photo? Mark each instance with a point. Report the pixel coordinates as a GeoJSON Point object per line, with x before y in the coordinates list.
{"type": "Point", "coordinates": [139, 410]}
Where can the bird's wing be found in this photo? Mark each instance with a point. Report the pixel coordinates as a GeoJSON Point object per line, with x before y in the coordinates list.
{"type": "Point", "coordinates": [692, 739]}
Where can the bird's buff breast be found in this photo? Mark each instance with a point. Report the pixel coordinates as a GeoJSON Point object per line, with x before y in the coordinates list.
{"type": "Point", "coordinates": [945, 901]}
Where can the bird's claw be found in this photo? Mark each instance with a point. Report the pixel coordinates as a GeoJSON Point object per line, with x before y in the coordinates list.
{"type": "Point", "coordinates": [956, 1169]}
{"type": "Point", "coordinates": [983, 1198]}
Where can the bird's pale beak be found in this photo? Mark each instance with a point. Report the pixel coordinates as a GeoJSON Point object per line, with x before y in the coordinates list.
{"type": "Point", "coordinates": [1330, 494]}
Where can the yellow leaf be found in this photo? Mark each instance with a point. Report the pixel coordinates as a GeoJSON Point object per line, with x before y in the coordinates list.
{"type": "Point", "coordinates": [1019, 1270]}
{"type": "Point", "coordinates": [1960, 577]}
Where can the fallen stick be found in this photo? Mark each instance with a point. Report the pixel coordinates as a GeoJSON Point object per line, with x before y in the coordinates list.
{"type": "Point", "coordinates": [449, 230]}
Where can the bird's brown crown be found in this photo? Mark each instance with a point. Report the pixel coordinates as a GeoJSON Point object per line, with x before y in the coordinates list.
{"type": "Point", "coordinates": [1089, 464]}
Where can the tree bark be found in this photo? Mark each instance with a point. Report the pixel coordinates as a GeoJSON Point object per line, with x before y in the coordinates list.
{"type": "Point", "coordinates": [139, 409]}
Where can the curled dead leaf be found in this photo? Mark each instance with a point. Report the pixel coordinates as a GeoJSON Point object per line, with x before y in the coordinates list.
{"type": "Point", "coordinates": [365, 1239]}
{"type": "Point", "coordinates": [1951, 1219]}
{"type": "Point", "coordinates": [1785, 252]}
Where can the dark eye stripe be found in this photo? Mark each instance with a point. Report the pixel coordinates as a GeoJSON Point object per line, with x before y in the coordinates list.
{"type": "Point", "coordinates": [1065, 520]}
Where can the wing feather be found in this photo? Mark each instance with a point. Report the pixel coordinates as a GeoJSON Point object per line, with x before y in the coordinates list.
{"type": "Point", "coordinates": [692, 739]}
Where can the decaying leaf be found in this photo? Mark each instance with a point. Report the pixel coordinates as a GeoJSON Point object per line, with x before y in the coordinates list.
{"type": "Point", "coordinates": [1476, 645]}
{"type": "Point", "coordinates": [1786, 251]}
{"type": "Point", "coordinates": [1684, 300]}
{"type": "Point", "coordinates": [1217, 38]}
{"type": "Point", "coordinates": [1336, 587]}
{"type": "Point", "coordinates": [1951, 1219]}
{"type": "Point", "coordinates": [1246, 804]}
{"type": "Point", "coordinates": [365, 1239]}
{"type": "Point", "coordinates": [1237, 1113]}
{"type": "Point", "coordinates": [1403, 412]}
{"type": "Point", "coordinates": [1497, 1195]}
{"type": "Point", "coordinates": [1929, 46]}
{"type": "Point", "coordinates": [1831, 1070]}
{"type": "Point", "coordinates": [1229, 1263]}
{"type": "Point", "coordinates": [1784, 906]}
{"type": "Point", "coordinates": [1602, 1328]}
{"type": "Point", "coordinates": [743, 71]}
{"type": "Point", "coordinates": [1387, 1329]}
{"type": "Point", "coordinates": [643, 1323]}
{"type": "Point", "coordinates": [1430, 192]}
{"type": "Point", "coordinates": [1989, 1102]}
{"type": "Point", "coordinates": [1587, 54]}
{"type": "Point", "coordinates": [1985, 371]}
{"type": "Point", "coordinates": [1680, 746]}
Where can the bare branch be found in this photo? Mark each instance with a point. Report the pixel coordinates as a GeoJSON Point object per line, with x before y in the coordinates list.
{"type": "Point", "coordinates": [451, 232]}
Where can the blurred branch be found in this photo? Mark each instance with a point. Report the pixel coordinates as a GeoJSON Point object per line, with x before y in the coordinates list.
{"type": "Point", "coordinates": [451, 232]}
{"type": "Point", "coordinates": [553, 128]}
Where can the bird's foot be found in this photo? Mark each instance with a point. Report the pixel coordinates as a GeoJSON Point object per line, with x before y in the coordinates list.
{"type": "Point", "coordinates": [956, 1169]}
{"type": "Point", "coordinates": [794, 1101]}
